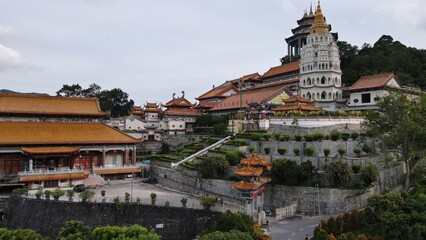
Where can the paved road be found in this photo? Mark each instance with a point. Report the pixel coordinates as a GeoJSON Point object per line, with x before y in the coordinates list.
{"type": "Point", "coordinates": [294, 229]}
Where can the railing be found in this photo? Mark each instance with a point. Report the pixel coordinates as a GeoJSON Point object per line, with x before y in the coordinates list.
{"type": "Point", "coordinates": [202, 151]}
{"type": "Point", "coordinates": [47, 171]}
{"type": "Point", "coordinates": [114, 167]}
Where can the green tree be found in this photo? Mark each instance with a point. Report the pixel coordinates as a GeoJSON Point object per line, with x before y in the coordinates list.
{"type": "Point", "coordinates": [207, 202]}
{"type": "Point", "coordinates": [74, 90]}
{"type": "Point", "coordinates": [115, 101]}
{"type": "Point", "coordinates": [340, 172]}
{"type": "Point", "coordinates": [153, 198]}
{"type": "Point", "coordinates": [184, 201]}
{"type": "Point", "coordinates": [239, 221]}
{"type": "Point", "coordinates": [401, 125]}
{"type": "Point", "coordinates": [213, 167]}
{"type": "Point", "coordinates": [124, 233]}
{"type": "Point", "coordinates": [369, 174]}
{"type": "Point", "coordinates": [231, 235]}
{"type": "Point", "coordinates": [165, 148]}
{"type": "Point", "coordinates": [74, 230]}
{"type": "Point", "coordinates": [87, 195]}
{"type": "Point", "coordinates": [70, 194]}
{"type": "Point", "coordinates": [57, 193]}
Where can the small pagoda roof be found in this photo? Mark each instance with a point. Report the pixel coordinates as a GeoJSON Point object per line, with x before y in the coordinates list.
{"type": "Point", "coordinates": [297, 99]}
{"type": "Point", "coordinates": [178, 102]}
{"type": "Point", "coordinates": [244, 186]}
{"type": "Point", "coordinates": [138, 111]}
{"type": "Point", "coordinates": [255, 160]}
{"type": "Point", "coordinates": [248, 171]}
{"type": "Point", "coordinates": [152, 108]}
{"type": "Point", "coordinates": [296, 107]}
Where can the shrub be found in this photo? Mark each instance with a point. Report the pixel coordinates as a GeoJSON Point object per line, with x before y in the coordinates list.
{"type": "Point", "coordinates": [354, 135]}
{"type": "Point", "coordinates": [233, 157]}
{"type": "Point", "coordinates": [266, 136]}
{"type": "Point", "coordinates": [251, 149]}
{"type": "Point", "coordinates": [366, 148]}
{"type": "Point", "coordinates": [87, 195]}
{"type": "Point", "coordinates": [309, 137]}
{"type": "Point", "coordinates": [267, 150]}
{"type": "Point", "coordinates": [126, 197]}
{"type": "Point", "coordinates": [296, 151]}
{"type": "Point", "coordinates": [167, 203]}
{"type": "Point", "coordinates": [369, 174]}
{"type": "Point", "coordinates": [327, 137]}
{"type": "Point", "coordinates": [184, 201]}
{"type": "Point", "coordinates": [103, 193]}
{"type": "Point", "coordinates": [282, 151]}
{"type": "Point", "coordinates": [318, 136]}
{"type": "Point", "coordinates": [357, 151]}
{"type": "Point", "coordinates": [309, 151]}
{"type": "Point", "coordinates": [20, 191]}
{"type": "Point", "coordinates": [284, 137]}
{"type": "Point", "coordinates": [39, 193]}
{"type": "Point", "coordinates": [70, 194]}
{"type": "Point", "coordinates": [277, 136]}
{"type": "Point", "coordinates": [358, 185]}
{"type": "Point", "coordinates": [321, 235]}
{"type": "Point", "coordinates": [47, 194]}
{"type": "Point", "coordinates": [335, 135]}
{"type": "Point", "coordinates": [153, 198]}
{"type": "Point", "coordinates": [298, 137]}
{"type": "Point", "coordinates": [207, 202]}
{"type": "Point", "coordinates": [356, 168]}
{"type": "Point", "coordinates": [57, 193]}
{"type": "Point", "coordinates": [234, 178]}
{"type": "Point", "coordinates": [341, 151]}
{"type": "Point", "coordinates": [340, 172]}
{"type": "Point", "coordinates": [345, 136]}
{"type": "Point", "coordinates": [326, 152]}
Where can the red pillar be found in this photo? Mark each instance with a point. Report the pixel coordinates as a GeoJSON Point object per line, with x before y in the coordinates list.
{"type": "Point", "coordinates": [126, 156]}
{"type": "Point", "coordinates": [134, 156]}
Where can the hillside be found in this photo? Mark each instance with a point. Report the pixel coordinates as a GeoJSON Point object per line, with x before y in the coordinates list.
{"type": "Point", "coordinates": [386, 55]}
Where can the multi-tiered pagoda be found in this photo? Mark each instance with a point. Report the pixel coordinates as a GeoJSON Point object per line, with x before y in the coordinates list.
{"type": "Point", "coordinates": [253, 181]}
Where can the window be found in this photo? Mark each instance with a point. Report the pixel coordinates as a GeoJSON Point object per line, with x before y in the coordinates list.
{"type": "Point", "coordinates": [366, 98]}
{"type": "Point", "coordinates": [356, 100]}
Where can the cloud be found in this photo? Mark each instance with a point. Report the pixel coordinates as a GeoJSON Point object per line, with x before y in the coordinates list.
{"type": "Point", "coordinates": [12, 60]}
{"type": "Point", "coordinates": [6, 31]}
{"type": "Point", "coordinates": [404, 13]}
{"type": "Point", "coordinates": [287, 5]}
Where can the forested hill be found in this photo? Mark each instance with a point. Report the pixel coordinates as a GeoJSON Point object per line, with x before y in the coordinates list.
{"type": "Point", "coordinates": [386, 55]}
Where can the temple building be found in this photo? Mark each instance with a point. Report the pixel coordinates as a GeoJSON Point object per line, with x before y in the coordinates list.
{"type": "Point", "coordinates": [320, 74]}
{"type": "Point", "coordinates": [296, 103]}
{"type": "Point", "coordinates": [297, 41]}
{"type": "Point", "coordinates": [179, 116]}
{"type": "Point", "coordinates": [364, 93]}
{"type": "Point", "coordinates": [59, 142]}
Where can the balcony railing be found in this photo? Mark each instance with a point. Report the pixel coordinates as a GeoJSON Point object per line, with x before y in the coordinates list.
{"type": "Point", "coordinates": [44, 171]}
{"type": "Point", "coordinates": [114, 167]}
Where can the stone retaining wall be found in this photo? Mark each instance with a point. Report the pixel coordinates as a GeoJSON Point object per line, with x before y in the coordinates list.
{"type": "Point", "coordinates": [47, 217]}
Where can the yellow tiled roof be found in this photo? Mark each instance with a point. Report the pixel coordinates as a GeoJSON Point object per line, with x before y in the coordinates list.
{"type": "Point", "coordinates": [49, 105]}
{"type": "Point", "coordinates": [47, 133]}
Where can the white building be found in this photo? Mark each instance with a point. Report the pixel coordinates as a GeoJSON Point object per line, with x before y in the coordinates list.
{"type": "Point", "coordinates": [320, 74]}
{"type": "Point", "coordinates": [365, 92]}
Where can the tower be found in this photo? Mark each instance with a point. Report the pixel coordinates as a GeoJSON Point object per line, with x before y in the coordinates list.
{"type": "Point", "coordinates": [320, 74]}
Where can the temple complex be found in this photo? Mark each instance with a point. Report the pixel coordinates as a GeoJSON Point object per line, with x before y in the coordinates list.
{"type": "Point", "coordinates": [59, 142]}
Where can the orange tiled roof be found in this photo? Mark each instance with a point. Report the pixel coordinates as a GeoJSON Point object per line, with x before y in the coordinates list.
{"type": "Point", "coordinates": [47, 177]}
{"type": "Point", "coordinates": [49, 105]}
{"type": "Point", "coordinates": [298, 107]}
{"type": "Point", "coordinates": [116, 170]}
{"type": "Point", "coordinates": [179, 102]}
{"type": "Point", "coordinates": [47, 133]}
{"type": "Point", "coordinates": [217, 92]}
{"type": "Point", "coordinates": [372, 81]}
{"type": "Point", "coordinates": [253, 77]}
{"type": "Point", "coordinates": [256, 94]}
{"type": "Point", "coordinates": [297, 99]}
{"type": "Point", "coordinates": [282, 69]}
{"type": "Point", "coordinates": [50, 150]}
{"type": "Point", "coordinates": [244, 186]}
{"type": "Point", "coordinates": [248, 171]}
{"type": "Point", "coordinates": [207, 105]}
{"type": "Point", "coordinates": [254, 160]}
{"type": "Point", "coordinates": [183, 112]}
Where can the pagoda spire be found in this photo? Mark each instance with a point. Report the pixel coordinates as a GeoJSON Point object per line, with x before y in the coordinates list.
{"type": "Point", "coordinates": [319, 25]}
{"type": "Point", "coordinates": [310, 11]}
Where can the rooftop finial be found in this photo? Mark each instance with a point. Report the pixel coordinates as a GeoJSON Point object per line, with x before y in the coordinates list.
{"type": "Point", "coordinates": [310, 11]}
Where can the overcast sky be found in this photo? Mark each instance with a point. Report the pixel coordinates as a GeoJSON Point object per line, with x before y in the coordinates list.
{"type": "Point", "coordinates": [153, 48]}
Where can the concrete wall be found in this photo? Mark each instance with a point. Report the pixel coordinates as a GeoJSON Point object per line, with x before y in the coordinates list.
{"type": "Point", "coordinates": [277, 126]}
{"type": "Point", "coordinates": [187, 181]}
{"type": "Point", "coordinates": [47, 217]}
